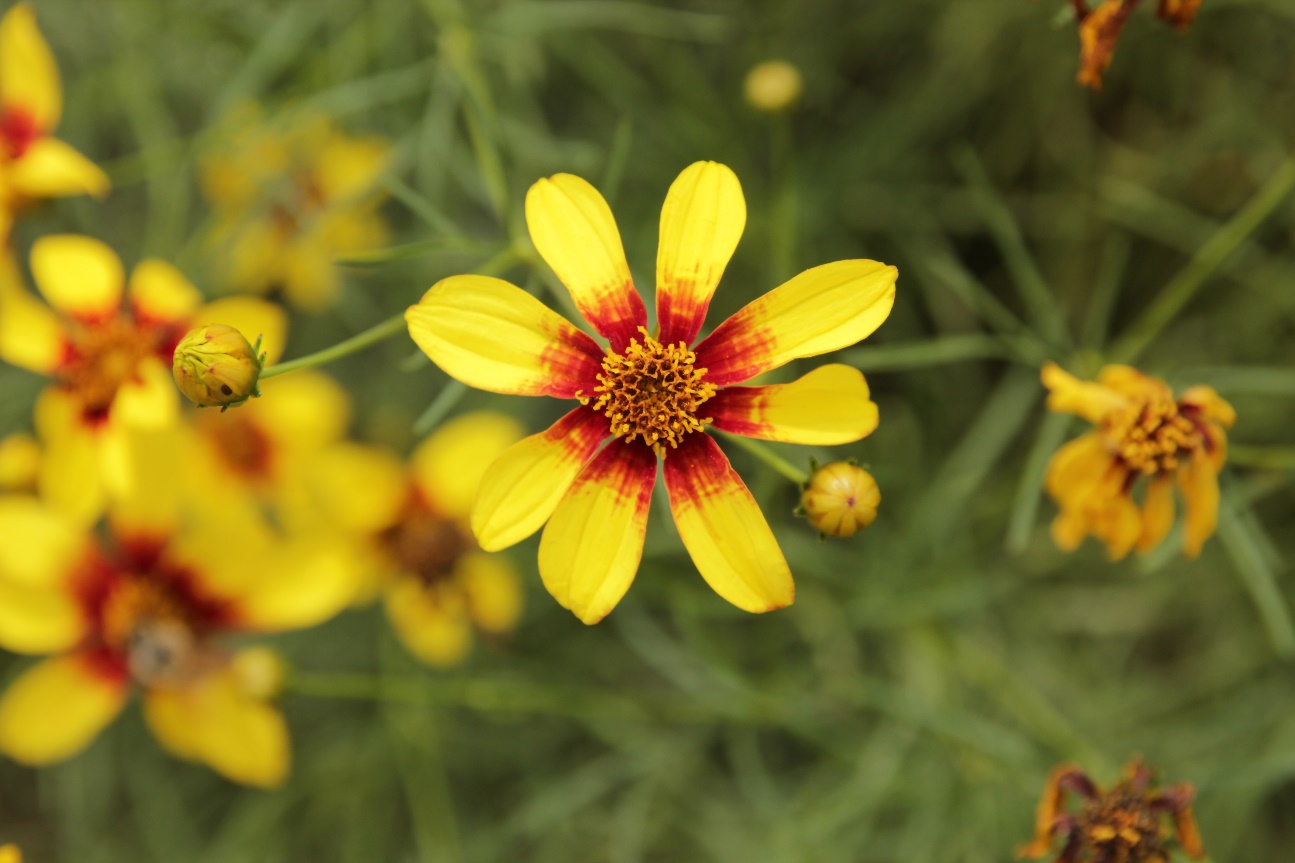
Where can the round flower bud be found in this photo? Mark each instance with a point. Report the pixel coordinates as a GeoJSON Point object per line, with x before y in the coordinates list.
{"type": "Point", "coordinates": [773, 86]}
{"type": "Point", "coordinates": [840, 499]}
{"type": "Point", "coordinates": [260, 672]}
{"type": "Point", "coordinates": [215, 365]}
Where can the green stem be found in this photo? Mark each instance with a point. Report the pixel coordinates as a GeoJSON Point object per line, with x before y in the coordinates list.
{"type": "Point", "coordinates": [358, 342]}
{"type": "Point", "coordinates": [1182, 287]}
{"type": "Point", "coordinates": [769, 457]}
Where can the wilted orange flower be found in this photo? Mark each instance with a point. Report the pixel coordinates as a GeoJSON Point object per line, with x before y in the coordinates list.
{"type": "Point", "coordinates": [107, 344]}
{"type": "Point", "coordinates": [289, 198]}
{"type": "Point", "coordinates": [1100, 29]}
{"type": "Point", "coordinates": [1180, 13]}
{"type": "Point", "coordinates": [1146, 440]}
{"type": "Point", "coordinates": [33, 163]}
{"type": "Point", "coordinates": [1125, 824]}
{"type": "Point", "coordinates": [649, 396]}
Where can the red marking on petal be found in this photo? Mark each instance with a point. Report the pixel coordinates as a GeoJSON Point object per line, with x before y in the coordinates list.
{"type": "Point", "coordinates": [619, 316]}
{"type": "Point", "coordinates": [680, 316]}
{"type": "Point", "coordinates": [18, 131]}
{"type": "Point", "coordinates": [732, 408]}
{"type": "Point", "coordinates": [574, 363]}
{"type": "Point", "coordinates": [107, 665]}
{"type": "Point", "coordinates": [735, 352]}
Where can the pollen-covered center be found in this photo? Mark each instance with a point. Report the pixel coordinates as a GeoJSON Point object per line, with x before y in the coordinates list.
{"type": "Point", "coordinates": [652, 391]}
{"type": "Point", "coordinates": [1122, 828]}
{"type": "Point", "coordinates": [425, 544]}
{"type": "Point", "coordinates": [147, 623]}
{"type": "Point", "coordinates": [1154, 436]}
{"type": "Point", "coordinates": [103, 357]}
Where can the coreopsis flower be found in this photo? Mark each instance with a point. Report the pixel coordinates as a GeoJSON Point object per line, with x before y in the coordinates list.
{"type": "Point", "coordinates": [33, 163]}
{"type": "Point", "coordinates": [108, 345]}
{"type": "Point", "coordinates": [143, 608]}
{"type": "Point", "coordinates": [437, 585]}
{"type": "Point", "coordinates": [1146, 441]}
{"type": "Point", "coordinates": [772, 86]}
{"type": "Point", "coordinates": [840, 499]}
{"type": "Point", "coordinates": [289, 198]}
{"type": "Point", "coordinates": [217, 365]}
{"type": "Point", "coordinates": [1128, 823]}
{"type": "Point", "coordinates": [650, 395]}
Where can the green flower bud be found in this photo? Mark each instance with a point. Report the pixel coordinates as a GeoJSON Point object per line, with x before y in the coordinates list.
{"type": "Point", "coordinates": [215, 365]}
{"type": "Point", "coordinates": [840, 499]}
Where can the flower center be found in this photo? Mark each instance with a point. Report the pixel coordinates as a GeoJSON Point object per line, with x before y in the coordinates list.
{"type": "Point", "coordinates": [104, 356]}
{"type": "Point", "coordinates": [1152, 437]}
{"type": "Point", "coordinates": [652, 391]}
{"type": "Point", "coordinates": [1122, 829]}
{"type": "Point", "coordinates": [148, 624]}
{"type": "Point", "coordinates": [426, 545]}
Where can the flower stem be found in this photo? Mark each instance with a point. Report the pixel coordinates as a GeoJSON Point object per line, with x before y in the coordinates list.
{"type": "Point", "coordinates": [358, 342]}
{"type": "Point", "coordinates": [769, 457]}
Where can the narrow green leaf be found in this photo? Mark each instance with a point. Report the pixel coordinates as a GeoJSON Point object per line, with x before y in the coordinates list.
{"type": "Point", "coordinates": [1052, 431]}
{"type": "Point", "coordinates": [1241, 537]}
{"type": "Point", "coordinates": [931, 352]}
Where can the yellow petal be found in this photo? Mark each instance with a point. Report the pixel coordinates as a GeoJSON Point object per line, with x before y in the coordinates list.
{"type": "Point", "coordinates": [574, 231]}
{"type": "Point", "coordinates": [302, 411]}
{"type": "Point", "coordinates": [31, 335]}
{"type": "Point", "coordinates": [1076, 468]}
{"type": "Point", "coordinates": [149, 399]}
{"type": "Point", "coordinates": [823, 309]}
{"type": "Point", "coordinates": [1132, 383]}
{"type": "Point", "coordinates": [159, 293]}
{"type": "Point", "coordinates": [494, 336]}
{"type": "Point", "coordinates": [361, 488]}
{"type": "Point", "coordinates": [71, 474]}
{"type": "Point", "coordinates": [492, 589]}
{"type": "Point", "coordinates": [217, 722]}
{"type": "Point", "coordinates": [347, 167]}
{"type": "Point", "coordinates": [701, 223]}
{"type": "Point", "coordinates": [39, 620]}
{"type": "Point", "coordinates": [592, 545]}
{"type": "Point", "coordinates": [1210, 404]}
{"type": "Point", "coordinates": [1157, 513]}
{"type": "Point", "coordinates": [448, 466]}
{"type": "Point", "coordinates": [10, 854]}
{"type": "Point", "coordinates": [1068, 394]}
{"type": "Point", "coordinates": [309, 280]}
{"type": "Point", "coordinates": [56, 708]}
{"type": "Point", "coordinates": [521, 488]}
{"type": "Point", "coordinates": [52, 169]}
{"type": "Point", "coordinates": [433, 625]}
{"type": "Point", "coordinates": [19, 463]}
{"type": "Point", "coordinates": [300, 583]}
{"type": "Point", "coordinates": [50, 542]}
{"type": "Point", "coordinates": [28, 73]}
{"type": "Point", "coordinates": [145, 480]}
{"type": "Point", "coordinates": [1199, 483]}
{"type": "Point", "coordinates": [827, 406]}
{"type": "Point", "coordinates": [252, 317]}
{"type": "Point", "coordinates": [79, 276]}
{"type": "Point", "coordinates": [723, 529]}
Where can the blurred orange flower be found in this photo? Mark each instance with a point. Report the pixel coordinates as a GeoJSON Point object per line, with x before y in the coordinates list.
{"type": "Point", "coordinates": [1143, 433]}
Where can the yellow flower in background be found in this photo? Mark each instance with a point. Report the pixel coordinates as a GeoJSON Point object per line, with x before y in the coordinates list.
{"type": "Point", "coordinates": [438, 586]}
{"type": "Point", "coordinates": [33, 163]}
{"type": "Point", "coordinates": [289, 198]}
{"type": "Point", "coordinates": [773, 86]}
{"type": "Point", "coordinates": [648, 396]}
{"type": "Point", "coordinates": [107, 344]}
{"type": "Point", "coordinates": [1146, 441]}
{"type": "Point", "coordinates": [145, 611]}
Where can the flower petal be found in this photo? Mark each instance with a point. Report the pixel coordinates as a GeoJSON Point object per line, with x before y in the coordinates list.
{"type": "Point", "coordinates": [300, 583]}
{"type": "Point", "coordinates": [432, 623]}
{"type": "Point", "coordinates": [79, 276]}
{"type": "Point", "coordinates": [592, 545]}
{"type": "Point", "coordinates": [494, 336]}
{"type": "Point", "coordinates": [1199, 483]}
{"type": "Point", "coordinates": [160, 294]}
{"type": "Point", "coordinates": [52, 169]}
{"type": "Point", "coordinates": [51, 542]}
{"type": "Point", "coordinates": [148, 400]}
{"type": "Point", "coordinates": [360, 488]}
{"type": "Point", "coordinates": [701, 223]}
{"type": "Point", "coordinates": [823, 309]}
{"type": "Point", "coordinates": [57, 707]}
{"type": "Point", "coordinates": [827, 406]}
{"type": "Point", "coordinates": [31, 334]}
{"type": "Point", "coordinates": [216, 721]}
{"type": "Point", "coordinates": [28, 73]}
{"type": "Point", "coordinates": [38, 620]}
{"type": "Point", "coordinates": [252, 317]}
{"type": "Point", "coordinates": [522, 487]}
{"type": "Point", "coordinates": [448, 466]}
{"type": "Point", "coordinates": [723, 529]}
{"type": "Point", "coordinates": [574, 231]}
{"type": "Point", "coordinates": [1067, 394]}
{"type": "Point", "coordinates": [71, 474]}
{"type": "Point", "coordinates": [493, 590]}
{"type": "Point", "coordinates": [1157, 513]}
{"type": "Point", "coordinates": [1210, 404]}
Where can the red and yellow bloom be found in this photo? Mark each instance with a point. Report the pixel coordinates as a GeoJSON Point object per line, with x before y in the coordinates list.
{"type": "Point", "coordinates": [650, 396]}
{"type": "Point", "coordinates": [1145, 440]}
{"type": "Point", "coordinates": [108, 344]}
{"type": "Point", "coordinates": [33, 163]}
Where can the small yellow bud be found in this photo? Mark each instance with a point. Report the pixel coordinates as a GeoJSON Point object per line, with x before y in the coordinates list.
{"type": "Point", "coordinates": [260, 672]}
{"type": "Point", "coordinates": [215, 365]}
{"type": "Point", "coordinates": [19, 464]}
{"type": "Point", "coordinates": [840, 499]}
{"type": "Point", "coordinates": [10, 854]}
{"type": "Point", "coordinates": [773, 86]}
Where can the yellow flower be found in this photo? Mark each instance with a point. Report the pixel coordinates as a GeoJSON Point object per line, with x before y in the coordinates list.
{"type": "Point", "coordinates": [108, 346]}
{"type": "Point", "coordinates": [438, 585]}
{"type": "Point", "coordinates": [651, 394]}
{"type": "Point", "coordinates": [840, 499]}
{"type": "Point", "coordinates": [1145, 440]}
{"type": "Point", "coordinates": [216, 365]}
{"type": "Point", "coordinates": [34, 164]}
{"type": "Point", "coordinates": [145, 610]}
{"type": "Point", "coordinates": [19, 463]}
{"type": "Point", "coordinates": [772, 86]}
{"type": "Point", "coordinates": [289, 199]}
{"type": "Point", "coordinates": [10, 854]}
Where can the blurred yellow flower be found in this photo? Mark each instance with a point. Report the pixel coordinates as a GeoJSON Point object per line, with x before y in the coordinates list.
{"type": "Point", "coordinates": [772, 86]}
{"type": "Point", "coordinates": [1142, 433]}
{"type": "Point", "coordinates": [650, 394]}
{"type": "Point", "coordinates": [10, 854]}
{"type": "Point", "coordinates": [437, 583]}
{"type": "Point", "coordinates": [289, 198]}
{"type": "Point", "coordinates": [108, 346]}
{"type": "Point", "coordinates": [145, 610]}
{"type": "Point", "coordinates": [34, 164]}
{"type": "Point", "coordinates": [19, 463]}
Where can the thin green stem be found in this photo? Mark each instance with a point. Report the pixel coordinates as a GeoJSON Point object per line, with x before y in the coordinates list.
{"type": "Point", "coordinates": [358, 342]}
{"type": "Point", "coordinates": [769, 457]}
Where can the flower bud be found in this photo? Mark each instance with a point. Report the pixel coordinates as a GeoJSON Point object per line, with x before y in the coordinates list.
{"type": "Point", "coordinates": [840, 499]}
{"type": "Point", "coordinates": [260, 672]}
{"type": "Point", "coordinates": [215, 365]}
{"type": "Point", "coordinates": [772, 86]}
